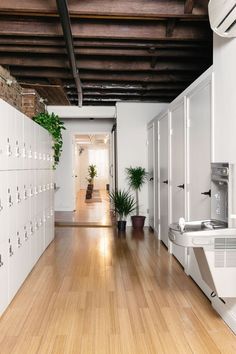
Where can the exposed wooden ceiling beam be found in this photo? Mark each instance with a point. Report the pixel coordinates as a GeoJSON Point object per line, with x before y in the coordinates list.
{"type": "Point", "coordinates": [103, 64]}
{"type": "Point", "coordinates": [108, 76]}
{"type": "Point", "coordinates": [165, 43]}
{"type": "Point", "coordinates": [106, 29]}
{"type": "Point", "coordinates": [105, 9]}
{"type": "Point", "coordinates": [107, 52]}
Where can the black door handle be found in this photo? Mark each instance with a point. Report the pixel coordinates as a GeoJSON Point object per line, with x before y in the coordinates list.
{"type": "Point", "coordinates": [181, 186]}
{"type": "Point", "coordinates": [166, 181]}
{"type": "Point", "coordinates": [207, 193]}
{"type": "Point", "coordinates": [151, 179]}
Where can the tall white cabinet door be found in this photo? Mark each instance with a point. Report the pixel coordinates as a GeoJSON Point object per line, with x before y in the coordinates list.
{"type": "Point", "coordinates": [151, 175]}
{"type": "Point", "coordinates": [199, 159]}
{"type": "Point", "coordinates": [199, 152]}
{"type": "Point", "coordinates": [177, 171]}
{"type": "Point", "coordinates": [163, 178]}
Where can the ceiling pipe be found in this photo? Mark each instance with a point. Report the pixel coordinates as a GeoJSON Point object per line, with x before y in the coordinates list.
{"type": "Point", "coordinates": [66, 27]}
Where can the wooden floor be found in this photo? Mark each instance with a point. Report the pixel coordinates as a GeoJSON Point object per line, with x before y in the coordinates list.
{"type": "Point", "coordinates": [96, 292]}
{"type": "Point", "coordinates": [86, 214]}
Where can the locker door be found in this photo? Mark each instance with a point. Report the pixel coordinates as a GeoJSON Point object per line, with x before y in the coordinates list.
{"type": "Point", "coordinates": [5, 111]}
{"type": "Point", "coordinates": [18, 140]}
{"type": "Point", "coordinates": [199, 151]}
{"type": "Point", "coordinates": [3, 275]}
{"type": "Point", "coordinates": [177, 172]}
{"type": "Point", "coordinates": [151, 177]}
{"type": "Point", "coordinates": [163, 173]}
{"type": "Point", "coordinates": [11, 134]}
{"type": "Point", "coordinates": [3, 205]}
{"type": "Point", "coordinates": [199, 159]}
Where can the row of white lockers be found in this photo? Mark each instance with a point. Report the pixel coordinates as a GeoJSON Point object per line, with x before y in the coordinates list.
{"type": "Point", "coordinates": [20, 252]}
{"type": "Point", "coordinates": [27, 226]}
{"type": "Point", "coordinates": [23, 143]}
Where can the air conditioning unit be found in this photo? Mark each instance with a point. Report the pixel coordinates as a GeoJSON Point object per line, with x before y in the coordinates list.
{"type": "Point", "coordinates": [222, 15]}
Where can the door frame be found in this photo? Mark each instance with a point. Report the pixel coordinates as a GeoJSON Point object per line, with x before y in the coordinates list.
{"type": "Point", "coordinates": [73, 134]}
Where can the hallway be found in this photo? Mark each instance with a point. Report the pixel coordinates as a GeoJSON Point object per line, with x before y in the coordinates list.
{"type": "Point", "coordinates": [95, 292]}
{"type": "Point", "coordinates": [88, 213]}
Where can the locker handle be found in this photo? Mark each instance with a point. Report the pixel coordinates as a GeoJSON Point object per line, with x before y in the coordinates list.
{"type": "Point", "coordinates": [17, 151]}
{"type": "Point", "coordinates": [151, 179]}
{"type": "Point", "coordinates": [9, 152]}
{"type": "Point", "coordinates": [165, 182]}
{"type": "Point", "coordinates": [10, 251]}
{"type": "Point", "coordinates": [10, 202]}
{"type": "Point", "coordinates": [207, 193]}
{"type": "Point", "coordinates": [181, 186]}
{"type": "Point", "coordinates": [1, 263]}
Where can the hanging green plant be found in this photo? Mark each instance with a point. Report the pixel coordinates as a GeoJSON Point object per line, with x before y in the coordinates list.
{"type": "Point", "coordinates": [54, 126]}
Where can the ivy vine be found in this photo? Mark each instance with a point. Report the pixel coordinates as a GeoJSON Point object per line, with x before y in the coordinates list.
{"type": "Point", "coordinates": [54, 126]}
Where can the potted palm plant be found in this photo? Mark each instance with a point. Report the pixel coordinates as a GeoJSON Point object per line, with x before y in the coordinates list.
{"type": "Point", "coordinates": [123, 204]}
{"type": "Point", "coordinates": [137, 177]}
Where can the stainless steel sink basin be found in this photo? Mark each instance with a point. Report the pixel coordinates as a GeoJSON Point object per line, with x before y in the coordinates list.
{"type": "Point", "coordinates": [199, 233]}
{"type": "Point", "coordinates": [193, 226]}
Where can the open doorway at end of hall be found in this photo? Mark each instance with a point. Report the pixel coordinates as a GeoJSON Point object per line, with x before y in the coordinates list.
{"type": "Point", "coordinates": [92, 149]}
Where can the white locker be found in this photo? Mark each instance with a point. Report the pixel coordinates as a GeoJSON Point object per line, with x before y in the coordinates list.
{"type": "Point", "coordinates": [3, 205]}
{"type": "Point", "coordinates": [18, 141]}
{"type": "Point", "coordinates": [163, 177]}
{"type": "Point", "coordinates": [11, 135]}
{"type": "Point", "coordinates": [177, 171]}
{"type": "Point", "coordinates": [4, 285]}
{"type": "Point", "coordinates": [5, 112]}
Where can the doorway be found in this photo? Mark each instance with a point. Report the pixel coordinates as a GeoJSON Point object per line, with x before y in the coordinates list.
{"type": "Point", "coordinates": [92, 150]}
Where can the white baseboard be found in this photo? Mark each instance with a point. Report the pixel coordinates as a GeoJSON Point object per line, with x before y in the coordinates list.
{"type": "Point", "coordinates": [225, 312]}
{"type": "Point", "coordinates": [64, 209]}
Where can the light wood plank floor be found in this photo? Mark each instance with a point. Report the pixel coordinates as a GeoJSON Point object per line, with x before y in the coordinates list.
{"type": "Point", "coordinates": [90, 214]}
{"type": "Point", "coordinates": [95, 292]}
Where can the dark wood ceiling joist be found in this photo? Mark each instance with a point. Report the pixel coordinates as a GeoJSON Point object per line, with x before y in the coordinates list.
{"type": "Point", "coordinates": [103, 64]}
{"type": "Point", "coordinates": [108, 8]}
{"type": "Point", "coordinates": [106, 29]}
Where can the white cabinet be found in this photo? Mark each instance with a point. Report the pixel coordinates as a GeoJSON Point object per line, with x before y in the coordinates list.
{"type": "Point", "coordinates": [199, 151]}
{"type": "Point", "coordinates": [163, 177]}
{"type": "Point", "coordinates": [199, 106]}
{"type": "Point", "coordinates": [177, 170]}
{"type": "Point", "coordinates": [26, 198]}
{"type": "Point", "coordinates": [151, 175]}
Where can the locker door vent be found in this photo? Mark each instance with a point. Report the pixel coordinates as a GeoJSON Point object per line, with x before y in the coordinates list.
{"type": "Point", "coordinates": [225, 252]}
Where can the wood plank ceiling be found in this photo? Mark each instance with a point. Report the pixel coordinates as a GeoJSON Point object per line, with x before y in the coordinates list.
{"type": "Point", "coordinates": [135, 50]}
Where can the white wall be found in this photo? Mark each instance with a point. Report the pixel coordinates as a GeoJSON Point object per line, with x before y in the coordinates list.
{"type": "Point", "coordinates": [64, 176]}
{"type": "Point", "coordinates": [83, 112]}
{"type": "Point", "coordinates": [132, 119]}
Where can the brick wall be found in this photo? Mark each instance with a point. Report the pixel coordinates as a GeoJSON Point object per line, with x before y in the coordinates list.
{"type": "Point", "coordinates": [10, 90]}
{"type": "Point", "coordinates": [31, 104]}
{"type": "Point", "coordinates": [25, 100]}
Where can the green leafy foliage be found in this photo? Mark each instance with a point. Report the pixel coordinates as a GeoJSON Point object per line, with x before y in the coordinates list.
{"type": "Point", "coordinates": [92, 172]}
{"type": "Point", "coordinates": [54, 126]}
{"type": "Point", "coordinates": [137, 177]}
{"type": "Point", "coordinates": [123, 203]}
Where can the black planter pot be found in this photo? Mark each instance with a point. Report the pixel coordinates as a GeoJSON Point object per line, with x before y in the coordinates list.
{"type": "Point", "coordinates": [138, 221]}
{"type": "Point", "coordinates": [90, 187]}
{"type": "Point", "coordinates": [121, 225]}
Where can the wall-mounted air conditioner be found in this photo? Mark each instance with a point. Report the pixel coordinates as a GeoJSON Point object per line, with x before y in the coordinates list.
{"type": "Point", "coordinates": [222, 15]}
